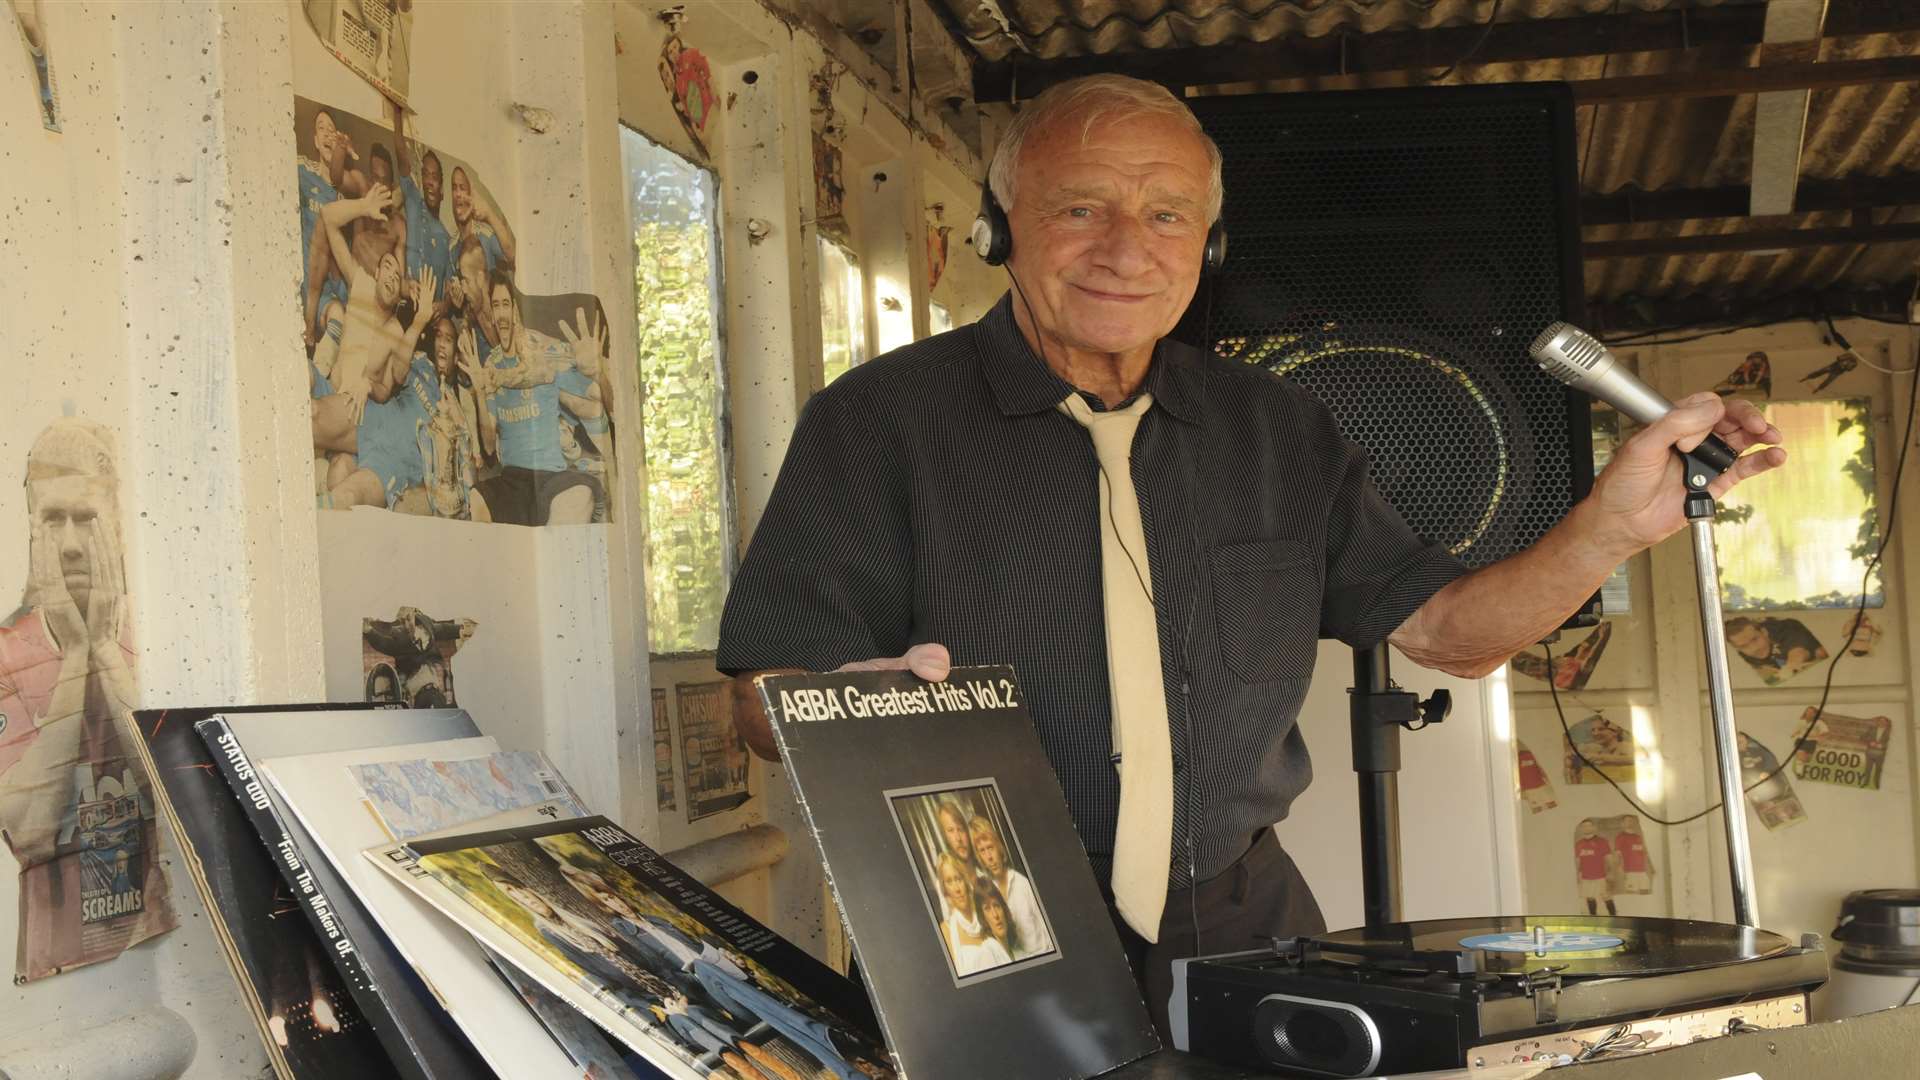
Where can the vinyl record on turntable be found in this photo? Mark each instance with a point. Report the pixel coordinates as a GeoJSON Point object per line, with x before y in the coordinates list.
{"type": "Point", "coordinates": [1577, 946]}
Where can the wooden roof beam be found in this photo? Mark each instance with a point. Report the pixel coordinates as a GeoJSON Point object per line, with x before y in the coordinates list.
{"type": "Point", "coordinates": [1734, 81]}
{"type": "Point", "coordinates": [1334, 55]}
{"type": "Point", "coordinates": [1626, 207]}
{"type": "Point", "coordinates": [1753, 240]}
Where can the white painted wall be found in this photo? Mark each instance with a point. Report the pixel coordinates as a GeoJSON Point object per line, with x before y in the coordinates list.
{"type": "Point", "coordinates": [130, 298]}
{"type": "Point", "coordinates": [1457, 824]}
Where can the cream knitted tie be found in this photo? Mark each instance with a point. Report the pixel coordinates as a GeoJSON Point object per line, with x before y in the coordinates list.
{"type": "Point", "coordinates": [1143, 750]}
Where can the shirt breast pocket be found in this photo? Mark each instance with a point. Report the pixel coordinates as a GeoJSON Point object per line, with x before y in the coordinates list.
{"type": "Point", "coordinates": [1266, 599]}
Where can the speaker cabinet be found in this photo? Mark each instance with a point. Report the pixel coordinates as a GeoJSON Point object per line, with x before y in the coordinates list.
{"type": "Point", "coordinates": [1393, 252]}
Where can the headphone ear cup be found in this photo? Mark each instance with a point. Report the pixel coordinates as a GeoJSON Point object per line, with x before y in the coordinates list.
{"type": "Point", "coordinates": [1215, 255]}
{"type": "Point", "coordinates": [992, 235]}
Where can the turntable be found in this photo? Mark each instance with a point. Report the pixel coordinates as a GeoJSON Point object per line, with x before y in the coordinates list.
{"type": "Point", "coordinates": [1404, 997]}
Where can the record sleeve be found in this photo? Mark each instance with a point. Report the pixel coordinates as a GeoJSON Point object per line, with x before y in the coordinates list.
{"type": "Point", "coordinates": [277, 961]}
{"type": "Point", "coordinates": [690, 981]}
{"type": "Point", "coordinates": [324, 794]}
{"type": "Point", "coordinates": [420, 1039]}
{"type": "Point", "coordinates": [963, 885]}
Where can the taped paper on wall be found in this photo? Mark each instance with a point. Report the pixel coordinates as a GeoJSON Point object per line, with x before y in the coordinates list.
{"type": "Point", "coordinates": [408, 659]}
{"type": "Point", "coordinates": [75, 803]}
{"type": "Point", "coordinates": [438, 386]}
{"type": "Point", "coordinates": [1846, 751]}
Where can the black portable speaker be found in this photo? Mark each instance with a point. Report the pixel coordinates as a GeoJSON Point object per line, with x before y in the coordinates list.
{"type": "Point", "coordinates": [1394, 252]}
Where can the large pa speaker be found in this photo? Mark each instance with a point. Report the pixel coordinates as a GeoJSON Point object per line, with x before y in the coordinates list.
{"type": "Point", "coordinates": [1393, 252]}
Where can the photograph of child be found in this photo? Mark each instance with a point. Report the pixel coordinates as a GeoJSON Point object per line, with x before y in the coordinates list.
{"type": "Point", "coordinates": [977, 885]}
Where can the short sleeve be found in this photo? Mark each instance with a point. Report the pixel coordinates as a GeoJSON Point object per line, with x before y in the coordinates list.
{"type": "Point", "coordinates": [490, 245]}
{"type": "Point", "coordinates": [828, 576]}
{"type": "Point", "coordinates": [1378, 570]}
{"type": "Point", "coordinates": [411, 198]}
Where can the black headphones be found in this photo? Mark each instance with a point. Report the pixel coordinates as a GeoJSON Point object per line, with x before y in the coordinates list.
{"type": "Point", "coordinates": [992, 237]}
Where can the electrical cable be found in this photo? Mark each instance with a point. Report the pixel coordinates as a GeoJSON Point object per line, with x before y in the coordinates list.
{"type": "Point", "coordinates": [1486, 32]}
{"type": "Point", "coordinates": [1866, 578]}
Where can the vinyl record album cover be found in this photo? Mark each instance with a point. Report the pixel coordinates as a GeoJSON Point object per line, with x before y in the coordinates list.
{"type": "Point", "coordinates": [324, 793]}
{"type": "Point", "coordinates": [276, 957]}
{"type": "Point", "coordinates": [671, 969]}
{"type": "Point", "coordinates": [963, 884]}
{"type": "Point", "coordinates": [421, 1040]}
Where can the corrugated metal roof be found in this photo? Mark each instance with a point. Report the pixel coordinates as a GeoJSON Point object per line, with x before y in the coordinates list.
{"type": "Point", "coordinates": [1858, 131]}
{"type": "Point", "coordinates": [1050, 28]}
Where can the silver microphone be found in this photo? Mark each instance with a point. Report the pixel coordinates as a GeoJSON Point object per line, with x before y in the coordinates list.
{"type": "Point", "coordinates": [1578, 359]}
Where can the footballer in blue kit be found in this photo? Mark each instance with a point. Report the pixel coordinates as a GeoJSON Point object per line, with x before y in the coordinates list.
{"type": "Point", "coordinates": [428, 242]}
{"type": "Point", "coordinates": [520, 424]}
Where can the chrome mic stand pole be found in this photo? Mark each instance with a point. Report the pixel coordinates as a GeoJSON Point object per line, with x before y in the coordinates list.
{"type": "Point", "coordinates": [1706, 567]}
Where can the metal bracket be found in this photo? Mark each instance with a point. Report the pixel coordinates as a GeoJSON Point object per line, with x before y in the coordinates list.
{"type": "Point", "coordinates": [1543, 986]}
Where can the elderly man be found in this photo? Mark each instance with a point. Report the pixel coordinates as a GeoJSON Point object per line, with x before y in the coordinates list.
{"type": "Point", "coordinates": [967, 499]}
{"type": "Point", "coordinates": [74, 804]}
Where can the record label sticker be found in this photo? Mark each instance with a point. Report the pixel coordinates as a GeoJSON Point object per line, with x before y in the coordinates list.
{"type": "Point", "coordinates": [1553, 941]}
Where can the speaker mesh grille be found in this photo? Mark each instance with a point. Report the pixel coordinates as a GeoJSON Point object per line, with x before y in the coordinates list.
{"type": "Point", "coordinates": [1394, 253]}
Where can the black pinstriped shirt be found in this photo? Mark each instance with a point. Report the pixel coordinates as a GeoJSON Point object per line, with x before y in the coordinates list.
{"type": "Point", "coordinates": [935, 494]}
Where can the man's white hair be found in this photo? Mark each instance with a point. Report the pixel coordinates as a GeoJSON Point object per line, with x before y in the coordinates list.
{"type": "Point", "coordinates": [1090, 100]}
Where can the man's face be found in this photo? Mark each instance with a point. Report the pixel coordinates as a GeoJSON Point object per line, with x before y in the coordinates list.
{"type": "Point", "coordinates": [387, 280]}
{"type": "Point", "coordinates": [421, 631]}
{"type": "Point", "coordinates": [430, 189]}
{"type": "Point", "coordinates": [506, 317]}
{"type": "Point", "coordinates": [68, 511]}
{"type": "Point", "coordinates": [1752, 642]}
{"type": "Point", "coordinates": [1108, 230]}
{"type": "Point", "coordinates": [381, 171]}
{"type": "Point", "coordinates": [473, 275]}
{"type": "Point", "coordinates": [323, 134]}
{"type": "Point", "coordinates": [462, 197]}
{"type": "Point", "coordinates": [956, 832]}
{"type": "Point", "coordinates": [986, 849]}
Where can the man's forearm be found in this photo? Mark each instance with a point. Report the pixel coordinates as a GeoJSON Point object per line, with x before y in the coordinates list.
{"type": "Point", "coordinates": [1476, 623]}
{"type": "Point", "coordinates": [750, 713]}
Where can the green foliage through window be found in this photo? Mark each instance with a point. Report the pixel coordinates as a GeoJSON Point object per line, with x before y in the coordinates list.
{"type": "Point", "coordinates": [1800, 536]}
{"type": "Point", "coordinates": [843, 311]}
{"type": "Point", "coordinates": [689, 505]}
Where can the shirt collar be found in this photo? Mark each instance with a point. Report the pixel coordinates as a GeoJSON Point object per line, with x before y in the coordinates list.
{"type": "Point", "coordinates": [1023, 384]}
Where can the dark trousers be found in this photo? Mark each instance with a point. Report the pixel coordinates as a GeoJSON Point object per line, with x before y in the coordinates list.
{"type": "Point", "coordinates": [1262, 895]}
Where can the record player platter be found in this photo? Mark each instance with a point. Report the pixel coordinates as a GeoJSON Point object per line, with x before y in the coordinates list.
{"type": "Point", "coordinates": [1577, 946]}
{"type": "Point", "coordinates": [1428, 995]}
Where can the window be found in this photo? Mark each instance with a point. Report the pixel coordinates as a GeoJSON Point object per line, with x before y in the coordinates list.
{"type": "Point", "coordinates": [939, 319]}
{"type": "Point", "coordinates": [843, 310]}
{"type": "Point", "coordinates": [1802, 537]}
{"type": "Point", "coordinates": [689, 501]}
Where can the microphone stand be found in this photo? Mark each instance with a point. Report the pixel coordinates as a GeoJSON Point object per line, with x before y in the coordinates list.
{"type": "Point", "coordinates": [1706, 567]}
{"type": "Point", "coordinates": [1377, 711]}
